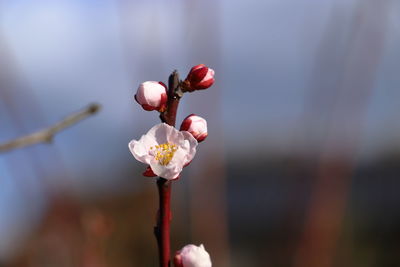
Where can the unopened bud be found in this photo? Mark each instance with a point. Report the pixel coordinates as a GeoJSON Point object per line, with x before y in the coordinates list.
{"type": "Point", "coordinates": [152, 96]}
{"type": "Point", "coordinates": [195, 125]}
{"type": "Point", "coordinates": [192, 256]}
{"type": "Point", "coordinates": [200, 77]}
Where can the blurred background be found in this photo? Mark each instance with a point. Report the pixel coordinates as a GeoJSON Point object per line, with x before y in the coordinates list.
{"type": "Point", "coordinates": [302, 163]}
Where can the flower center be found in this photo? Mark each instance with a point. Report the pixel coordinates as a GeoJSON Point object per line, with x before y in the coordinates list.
{"type": "Point", "coordinates": [164, 153]}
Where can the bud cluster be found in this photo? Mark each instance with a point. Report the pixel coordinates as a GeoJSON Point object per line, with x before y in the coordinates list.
{"type": "Point", "coordinates": [153, 95]}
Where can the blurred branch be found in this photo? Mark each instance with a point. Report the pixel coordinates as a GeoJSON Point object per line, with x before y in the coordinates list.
{"type": "Point", "coordinates": [47, 135]}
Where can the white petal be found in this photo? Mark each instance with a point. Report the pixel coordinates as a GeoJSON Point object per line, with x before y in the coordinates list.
{"type": "Point", "coordinates": [140, 149]}
{"type": "Point", "coordinates": [198, 125]}
{"type": "Point", "coordinates": [179, 158]}
{"type": "Point", "coordinates": [175, 137]}
{"type": "Point", "coordinates": [189, 145]}
{"type": "Point", "coordinates": [169, 171]}
{"type": "Point", "coordinates": [140, 95]}
{"type": "Point", "coordinates": [150, 93]}
{"type": "Point", "coordinates": [210, 75]}
{"type": "Point", "coordinates": [161, 132]}
{"type": "Point", "coordinates": [153, 93]}
{"type": "Point", "coordinates": [195, 256]}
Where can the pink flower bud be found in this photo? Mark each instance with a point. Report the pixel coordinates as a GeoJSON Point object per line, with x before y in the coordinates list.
{"type": "Point", "coordinates": [152, 96]}
{"type": "Point", "coordinates": [192, 256]}
{"type": "Point", "coordinates": [199, 77]}
{"type": "Point", "coordinates": [195, 125]}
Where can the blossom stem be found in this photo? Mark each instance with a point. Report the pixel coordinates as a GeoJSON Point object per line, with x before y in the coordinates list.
{"type": "Point", "coordinates": [162, 230]}
{"type": "Point", "coordinates": [174, 95]}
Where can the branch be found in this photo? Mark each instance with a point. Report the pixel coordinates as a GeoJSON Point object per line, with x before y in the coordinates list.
{"type": "Point", "coordinates": [174, 95]}
{"type": "Point", "coordinates": [47, 135]}
{"type": "Point", "coordinates": [162, 229]}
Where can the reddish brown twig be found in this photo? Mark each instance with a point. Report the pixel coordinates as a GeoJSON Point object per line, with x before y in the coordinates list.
{"type": "Point", "coordinates": [162, 230]}
{"type": "Point", "coordinates": [174, 95]}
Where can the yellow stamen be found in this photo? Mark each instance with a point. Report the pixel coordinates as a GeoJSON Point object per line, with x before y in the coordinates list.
{"type": "Point", "coordinates": [165, 152]}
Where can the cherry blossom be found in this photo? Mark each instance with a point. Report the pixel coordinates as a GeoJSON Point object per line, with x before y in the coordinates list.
{"type": "Point", "coordinates": [165, 149]}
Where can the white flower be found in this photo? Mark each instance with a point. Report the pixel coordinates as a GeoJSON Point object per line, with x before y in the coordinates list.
{"type": "Point", "coordinates": [192, 256]}
{"type": "Point", "coordinates": [165, 149]}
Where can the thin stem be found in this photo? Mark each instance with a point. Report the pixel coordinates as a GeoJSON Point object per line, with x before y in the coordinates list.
{"type": "Point", "coordinates": [162, 230]}
{"type": "Point", "coordinates": [174, 95]}
{"type": "Point", "coordinates": [47, 135]}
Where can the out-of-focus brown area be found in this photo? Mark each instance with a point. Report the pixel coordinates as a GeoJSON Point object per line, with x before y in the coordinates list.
{"type": "Point", "coordinates": [107, 232]}
{"type": "Point", "coordinates": [114, 231]}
